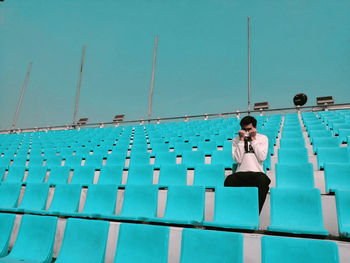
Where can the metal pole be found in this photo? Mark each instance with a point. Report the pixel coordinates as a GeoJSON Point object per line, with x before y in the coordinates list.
{"type": "Point", "coordinates": [22, 94]}
{"type": "Point", "coordinates": [79, 85]}
{"type": "Point", "coordinates": [248, 64]}
{"type": "Point", "coordinates": [152, 80]}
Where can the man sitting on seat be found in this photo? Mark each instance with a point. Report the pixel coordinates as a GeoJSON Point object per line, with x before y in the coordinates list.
{"type": "Point", "coordinates": [249, 150]}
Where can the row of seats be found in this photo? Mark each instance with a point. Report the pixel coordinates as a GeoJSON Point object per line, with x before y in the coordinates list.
{"type": "Point", "coordinates": [297, 211]}
{"type": "Point", "coordinates": [86, 241]}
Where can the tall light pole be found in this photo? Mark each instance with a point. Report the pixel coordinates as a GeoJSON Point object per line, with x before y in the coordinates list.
{"type": "Point", "coordinates": [79, 85]}
{"type": "Point", "coordinates": [152, 80]}
{"type": "Point", "coordinates": [21, 96]}
{"type": "Point", "coordinates": [248, 64]}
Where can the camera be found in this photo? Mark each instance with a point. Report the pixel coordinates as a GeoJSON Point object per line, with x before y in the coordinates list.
{"type": "Point", "coordinates": [247, 137]}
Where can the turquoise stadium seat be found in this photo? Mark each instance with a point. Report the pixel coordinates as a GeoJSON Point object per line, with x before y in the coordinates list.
{"type": "Point", "coordinates": [223, 157]}
{"type": "Point", "coordinates": [100, 200]}
{"type": "Point", "coordinates": [140, 202]}
{"type": "Point", "coordinates": [58, 175]}
{"type": "Point", "coordinates": [6, 225]}
{"type": "Point", "coordinates": [94, 160]}
{"type": "Point", "coordinates": [73, 161]}
{"type": "Point", "coordinates": [36, 161]}
{"type": "Point", "coordinates": [342, 198]}
{"type": "Point", "coordinates": [140, 174]}
{"type": "Point", "coordinates": [53, 161]}
{"type": "Point", "coordinates": [199, 246]}
{"type": "Point", "coordinates": [296, 211]}
{"type": "Point", "coordinates": [82, 236]}
{"type": "Point", "coordinates": [193, 158]}
{"type": "Point", "coordinates": [65, 200]}
{"type": "Point", "coordinates": [159, 147]}
{"type": "Point", "coordinates": [139, 158]}
{"type": "Point", "coordinates": [19, 161]}
{"type": "Point", "coordinates": [5, 162]}
{"type": "Point", "coordinates": [181, 147]}
{"type": "Point", "coordinates": [292, 143]}
{"type": "Point", "coordinates": [15, 174]}
{"type": "Point", "coordinates": [299, 175]}
{"type": "Point", "coordinates": [34, 198]}
{"type": "Point", "coordinates": [337, 176]}
{"type": "Point", "coordinates": [101, 151]}
{"type": "Point", "coordinates": [343, 135]}
{"type": "Point", "coordinates": [292, 135]}
{"type": "Point", "coordinates": [236, 207]}
{"type": "Point", "coordinates": [164, 158]}
{"type": "Point", "coordinates": [320, 142]}
{"type": "Point", "coordinates": [320, 134]}
{"type": "Point", "coordinates": [35, 240]}
{"type": "Point", "coordinates": [116, 159]}
{"type": "Point", "coordinates": [289, 250]}
{"type": "Point", "coordinates": [83, 175]}
{"type": "Point", "coordinates": [209, 175]}
{"type": "Point", "coordinates": [331, 155]}
{"type": "Point", "coordinates": [175, 174]}
{"type": "Point", "coordinates": [142, 243]}
{"type": "Point", "coordinates": [111, 175]}
{"type": "Point", "coordinates": [207, 147]}
{"type": "Point", "coordinates": [36, 175]}
{"type": "Point", "coordinates": [9, 194]}
{"type": "Point", "coordinates": [293, 156]}
{"type": "Point", "coordinates": [184, 205]}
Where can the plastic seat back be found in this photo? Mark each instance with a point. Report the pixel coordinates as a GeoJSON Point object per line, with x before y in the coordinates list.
{"type": "Point", "coordinates": [294, 175]}
{"type": "Point", "coordinates": [35, 197]}
{"type": "Point", "coordinates": [140, 174]}
{"type": "Point", "coordinates": [65, 199]}
{"type": "Point", "coordinates": [58, 175]}
{"type": "Point", "coordinates": [35, 240]}
{"type": "Point", "coordinates": [209, 175]}
{"type": "Point", "coordinates": [342, 198]}
{"type": "Point", "coordinates": [276, 249]}
{"type": "Point", "coordinates": [111, 175]}
{"type": "Point", "coordinates": [83, 175]}
{"type": "Point", "coordinates": [337, 176]}
{"type": "Point", "coordinates": [331, 155]}
{"type": "Point", "coordinates": [36, 175]}
{"type": "Point", "coordinates": [175, 174]}
{"type": "Point", "coordinates": [142, 243]}
{"type": "Point", "coordinates": [193, 158]}
{"type": "Point", "coordinates": [199, 246]}
{"type": "Point", "coordinates": [6, 225]}
{"type": "Point", "coordinates": [15, 174]}
{"type": "Point", "coordinates": [82, 236]}
{"type": "Point", "coordinates": [9, 194]}
{"type": "Point", "coordinates": [223, 157]}
{"type": "Point", "coordinates": [293, 155]}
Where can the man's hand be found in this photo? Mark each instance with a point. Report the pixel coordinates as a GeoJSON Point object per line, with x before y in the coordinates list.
{"type": "Point", "coordinates": [252, 133]}
{"type": "Point", "coordinates": [241, 134]}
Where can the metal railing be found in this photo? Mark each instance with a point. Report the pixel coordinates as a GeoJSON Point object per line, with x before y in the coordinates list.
{"type": "Point", "coordinates": [205, 116]}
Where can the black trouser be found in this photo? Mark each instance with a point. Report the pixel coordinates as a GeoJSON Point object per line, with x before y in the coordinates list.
{"type": "Point", "coordinates": [257, 179]}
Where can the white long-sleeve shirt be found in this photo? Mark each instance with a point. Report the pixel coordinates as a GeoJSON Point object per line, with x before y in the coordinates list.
{"type": "Point", "coordinates": [250, 162]}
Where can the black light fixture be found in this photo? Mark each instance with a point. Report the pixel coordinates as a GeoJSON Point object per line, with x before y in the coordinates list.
{"type": "Point", "coordinates": [323, 101]}
{"type": "Point", "coordinates": [261, 106]}
{"type": "Point", "coordinates": [118, 118]}
{"type": "Point", "coordinates": [82, 121]}
{"type": "Point", "coordinates": [300, 99]}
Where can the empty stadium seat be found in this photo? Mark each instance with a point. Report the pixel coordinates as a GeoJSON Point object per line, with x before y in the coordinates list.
{"type": "Point", "coordinates": [181, 147]}
{"type": "Point", "coordinates": [320, 142]}
{"type": "Point", "coordinates": [65, 200]}
{"type": "Point", "coordinates": [175, 174]}
{"type": "Point", "coordinates": [6, 225]}
{"type": "Point", "coordinates": [293, 156]}
{"type": "Point", "coordinates": [184, 205]}
{"type": "Point", "coordinates": [84, 241]}
{"type": "Point", "coordinates": [53, 161]}
{"type": "Point", "coordinates": [140, 174]}
{"type": "Point", "coordinates": [296, 211]}
{"type": "Point", "coordinates": [331, 155]}
{"type": "Point", "coordinates": [58, 175]}
{"type": "Point", "coordinates": [73, 161]}
{"type": "Point", "coordinates": [207, 147]}
{"type": "Point", "coordinates": [289, 250]}
{"type": "Point", "coordinates": [15, 174]}
{"type": "Point", "coordinates": [193, 158]}
{"type": "Point", "coordinates": [83, 175]}
{"type": "Point", "coordinates": [209, 175]}
{"type": "Point", "coordinates": [94, 160]}
{"type": "Point", "coordinates": [35, 240]}
{"type": "Point", "coordinates": [162, 158]}
{"type": "Point", "coordinates": [116, 159]}
{"type": "Point", "coordinates": [140, 202]}
{"type": "Point", "coordinates": [111, 175]}
{"type": "Point", "coordinates": [342, 198]}
{"type": "Point", "coordinates": [34, 198]}
{"type": "Point", "coordinates": [36, 175]}
{"type": "Point", "coordinates": [199, 246]}
{"type": "Point", "coordinates": [223, 157]}
{"type": "Point", "coordinates": [298, 175]}
{"type": "Point", "coordinates": [236, 207]}
{"type": "Point", "coordinates": [292, 143]}
{"type": "Point", "coordinates": [100, 200]}
{"type": "Point", "coordinates": [142, 243]}
{"type": "Point", "coordinates": [343, 135]}
{"type": "Point", "coordinates": [337, 176]}
{"type": "Point", "coordinates": [9, 194]}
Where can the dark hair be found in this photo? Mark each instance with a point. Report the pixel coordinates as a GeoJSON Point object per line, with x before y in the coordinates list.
{"type": "Point", "coordinates": [248, 120]}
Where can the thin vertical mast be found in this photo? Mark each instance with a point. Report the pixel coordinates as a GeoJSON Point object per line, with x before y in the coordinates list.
{"type": "Point", "coordinates": [79, 85]}
{"type": "Point", "coordinates": [248, 64]}
{"type": "Point", "coordinates": [21, 96]}
{"type": "Point", "coordinates": [152, 80]}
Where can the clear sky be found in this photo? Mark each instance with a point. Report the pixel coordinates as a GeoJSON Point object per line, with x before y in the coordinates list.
{"type": "Point", "coordinates": [296, 46]}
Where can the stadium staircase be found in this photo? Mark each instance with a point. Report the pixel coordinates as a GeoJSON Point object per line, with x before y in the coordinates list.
{"type": "Point", "coordinates": [154, 193]}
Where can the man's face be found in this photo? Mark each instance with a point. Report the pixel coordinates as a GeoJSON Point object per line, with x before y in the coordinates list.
{"type": "Point", "coordinates": [248, 127]}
